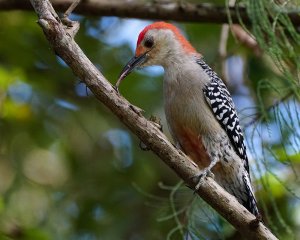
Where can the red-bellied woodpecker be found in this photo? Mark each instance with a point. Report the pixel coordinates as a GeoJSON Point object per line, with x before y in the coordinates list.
{"type": "Point", "coordinates": [199, 109]}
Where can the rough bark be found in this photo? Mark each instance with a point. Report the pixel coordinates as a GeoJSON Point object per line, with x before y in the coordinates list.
{"type": "Point", "coordinates": [65, 46]}
{"type": "Point", "coordinates": [163, 10]}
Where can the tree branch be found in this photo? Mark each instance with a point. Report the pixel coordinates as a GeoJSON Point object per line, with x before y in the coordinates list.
{"type": "Point", "coordinates": [163, 10]}
{"type": "Point", "coordinates": [65, 46]}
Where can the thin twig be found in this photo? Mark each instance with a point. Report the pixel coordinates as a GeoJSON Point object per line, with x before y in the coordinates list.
{"type": "Point", "coordinates": [245, 38]}
{"type": "Point", "coordinates": [276, 103]}
{"type": "Point", "coordinates": [223, 41]}
{"type": "Point", "coordinates": [72, 27]}
{"type": "Point", "coordinates": [71, 8]}
{"type": "Point", "coordinates": [223, 44]}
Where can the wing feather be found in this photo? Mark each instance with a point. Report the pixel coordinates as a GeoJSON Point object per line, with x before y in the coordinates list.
{"type": "Point", "coordinates": [220, 101]}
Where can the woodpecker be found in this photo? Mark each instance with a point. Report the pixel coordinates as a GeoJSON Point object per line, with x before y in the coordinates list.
{"type": "Point", "coordinates": [199, 109]}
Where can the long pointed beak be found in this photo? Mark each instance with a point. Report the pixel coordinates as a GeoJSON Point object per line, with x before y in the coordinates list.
{"type": "Point", "coordinates": [133, 63]}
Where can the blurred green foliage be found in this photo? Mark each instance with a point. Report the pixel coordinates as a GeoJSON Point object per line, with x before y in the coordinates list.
{"type": "Point", "coordinates": [70, 170]}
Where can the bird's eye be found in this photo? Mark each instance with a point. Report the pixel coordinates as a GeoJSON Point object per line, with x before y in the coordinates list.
{"type": "Point", "coordinates": [149, 42]}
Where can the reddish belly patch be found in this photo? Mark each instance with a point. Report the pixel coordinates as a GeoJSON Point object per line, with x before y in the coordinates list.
{"type": "Point", "coordinates": [192, 145]}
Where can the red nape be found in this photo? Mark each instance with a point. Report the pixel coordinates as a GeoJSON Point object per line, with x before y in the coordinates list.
{"type": "Point", "coordinates": [163, 25]}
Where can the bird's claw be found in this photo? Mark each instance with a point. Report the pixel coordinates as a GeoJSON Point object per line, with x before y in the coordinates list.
{"type": "Point", "coordinates": [200, 178]}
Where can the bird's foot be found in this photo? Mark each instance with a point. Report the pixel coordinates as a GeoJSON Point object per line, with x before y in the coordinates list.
{"type": "Point", "coordinates": [205, 173]}
{"type": "Point", "coordinates": [201, 177]}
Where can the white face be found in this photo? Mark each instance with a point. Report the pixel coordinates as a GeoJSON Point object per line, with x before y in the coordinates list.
{"type": "Point", "coordinates": [159, 47]}
{"type": "Point", "coordinates": [161, 44]}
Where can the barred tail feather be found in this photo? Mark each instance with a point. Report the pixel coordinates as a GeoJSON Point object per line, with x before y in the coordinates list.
{"type": "Point", "coordinates": [251, 203]}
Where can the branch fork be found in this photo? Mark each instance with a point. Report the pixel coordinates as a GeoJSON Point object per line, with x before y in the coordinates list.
{"type": "Point", "coordinates": [71, 27]}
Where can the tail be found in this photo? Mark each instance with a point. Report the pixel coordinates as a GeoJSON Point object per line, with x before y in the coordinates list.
{"type": "Point", "coordinates": [250, 203]}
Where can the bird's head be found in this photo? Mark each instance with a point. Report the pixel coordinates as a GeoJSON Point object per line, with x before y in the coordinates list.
{"type": "Point", "coordinates": [157, 44]}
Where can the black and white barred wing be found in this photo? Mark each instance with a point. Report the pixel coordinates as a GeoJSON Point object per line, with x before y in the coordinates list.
{"type": "Point", "coordinates": [222, 106]}
{"type": "Point", "coordinates": [220, 101]}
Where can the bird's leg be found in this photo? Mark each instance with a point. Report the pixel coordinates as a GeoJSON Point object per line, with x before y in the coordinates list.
{"type": "Point", "coordinates": [206, 173]}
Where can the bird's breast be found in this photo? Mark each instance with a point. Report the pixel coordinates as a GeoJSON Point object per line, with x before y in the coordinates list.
{"type": "Point", "coordinates": [185, 105]}
{"type": "Point", "coordinates": [191, 143]}
{"type": "Point", "coordinates": [189, 118]}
